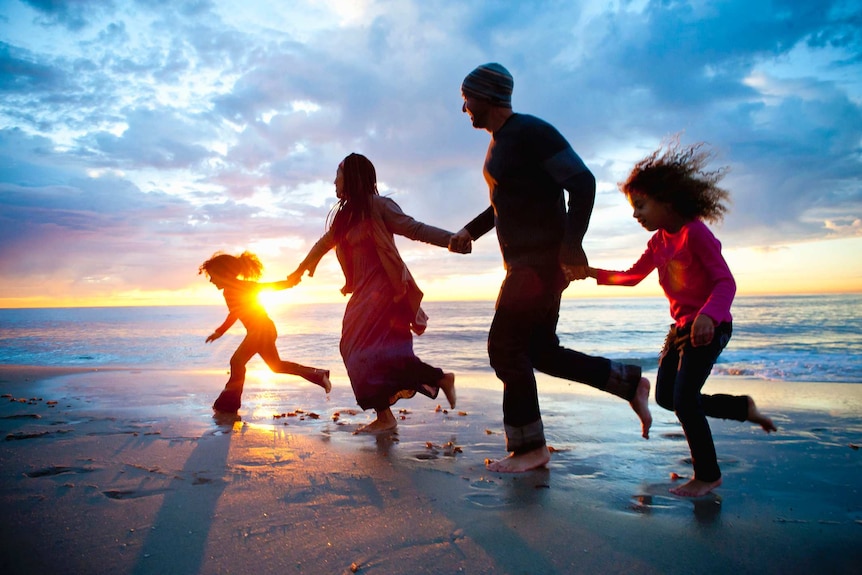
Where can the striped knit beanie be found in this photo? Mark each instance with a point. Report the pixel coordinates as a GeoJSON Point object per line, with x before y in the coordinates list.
{"type": "Point", "coordinates": [490, 82]}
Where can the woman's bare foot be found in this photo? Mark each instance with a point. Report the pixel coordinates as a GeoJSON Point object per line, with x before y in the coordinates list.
{"type": "Point", "coordinates": [640, 403]}
{"type": "Point", "coordinates": [522, 462]}
{"type": "Point", "coordinates": [447, 384]}
{"type": "Point", "coordinates": [695, 488]}
{"type": "Point", "coordinates": [755, 416]}
{"type": "Point", "coordinates": [324, 381]}
{"type": "Point", "coordinates": [385, 422]}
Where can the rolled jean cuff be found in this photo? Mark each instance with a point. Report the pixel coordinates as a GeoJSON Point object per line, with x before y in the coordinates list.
{"type": "Point", "coordinates": [623, 380]}
{"type": "Point", "coordinates": [525, 438]}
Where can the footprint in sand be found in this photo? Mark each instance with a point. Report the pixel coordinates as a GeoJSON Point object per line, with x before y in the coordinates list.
{"type": "Point", "coordinates": [485, 500]}
{"type": "Point", "coordinates": [34, 435]}
{"type": "Point", "coordinates": [131, 494]}
{"type": "Point", "coordinates": [486, 494]}
{"type": "Point", "coordinates": [59, 470]}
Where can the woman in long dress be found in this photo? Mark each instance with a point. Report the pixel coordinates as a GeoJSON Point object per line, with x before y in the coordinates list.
{"type": "Point", "coordinates": [376, 339]}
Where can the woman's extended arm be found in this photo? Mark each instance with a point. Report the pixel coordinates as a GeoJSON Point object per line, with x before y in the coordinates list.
{"type": "Point", "coordinates": [309, 264]}
{"type": "Point", "coordinates": [400, 223]}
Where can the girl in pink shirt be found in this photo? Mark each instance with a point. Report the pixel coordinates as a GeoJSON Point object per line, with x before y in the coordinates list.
{"type": "Point", "coordinates": [672, 194]}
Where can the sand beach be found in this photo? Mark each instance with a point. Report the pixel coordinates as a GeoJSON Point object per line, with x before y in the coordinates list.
{"type": "Point", "coordinates": [126, 471]}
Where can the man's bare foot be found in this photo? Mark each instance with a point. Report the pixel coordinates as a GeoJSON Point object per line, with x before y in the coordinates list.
{"type": "Point", "coordinates": [385, 422]}
{"type": "Point", "coordinates": [755, 416]}
{"type": "Point", "coordinates": [447, 384]}
{"type": "Point", "coordinates": [695, 488]}
{"type": "Point", "coordinates": [522, 462]}
{"type": "Point", "coordinates": [640, 403]}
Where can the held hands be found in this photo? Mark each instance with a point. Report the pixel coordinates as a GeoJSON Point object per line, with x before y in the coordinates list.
{"type": "Point", "coordinates": [575, 272]}
{"type": "Point", "coordinates": [702, 331]}
{"type": "Point", "coordinates": [294, 278]}
{"type": "Point", "coordinates": [461, 242]}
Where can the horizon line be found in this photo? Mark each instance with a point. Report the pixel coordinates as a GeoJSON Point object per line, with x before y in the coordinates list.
{"type": "Point", "coordinates": [119, 304]}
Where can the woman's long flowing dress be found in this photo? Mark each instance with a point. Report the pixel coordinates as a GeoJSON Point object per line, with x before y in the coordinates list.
{"type": "Point", "coordinates": [376, 341]}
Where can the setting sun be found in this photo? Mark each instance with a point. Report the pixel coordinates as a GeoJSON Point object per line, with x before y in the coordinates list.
{"type": "Point", "coordinates": [269, 299]}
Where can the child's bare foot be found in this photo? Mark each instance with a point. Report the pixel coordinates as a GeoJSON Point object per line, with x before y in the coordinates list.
{"type": "Point", "coordinates": [385, 422]}
{"type": "Point", "coordinates": [228, 401]}
{"type": "Point", "coordinates": [695, 488]}
{"type": "Point", "coordinates": [522, 462]}
{"type": "Point", "coordinates": [755, 416]}
{"type": "Point", "coordinates": [447, 384]}
{"type": "Point", "coordinates": [640, 403]}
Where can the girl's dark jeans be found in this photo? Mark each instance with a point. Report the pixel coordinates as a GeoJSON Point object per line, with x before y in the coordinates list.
{"type": "Point", "coordinates": [682, 373]}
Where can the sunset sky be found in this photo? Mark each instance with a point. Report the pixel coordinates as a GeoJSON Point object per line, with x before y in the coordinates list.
{"type": "Point", "coordinates": [139, 137]}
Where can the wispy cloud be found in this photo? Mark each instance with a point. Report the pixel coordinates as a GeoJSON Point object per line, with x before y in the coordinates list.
{"type": "Point", "coordinates": [136, 138]}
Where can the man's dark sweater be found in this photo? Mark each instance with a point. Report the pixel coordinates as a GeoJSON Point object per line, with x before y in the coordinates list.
{"type": "Point", "coordinates": [527, 166]}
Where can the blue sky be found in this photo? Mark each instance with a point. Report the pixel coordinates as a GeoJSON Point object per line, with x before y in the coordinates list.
{"type": "Point", "coordinates": [138, 137]}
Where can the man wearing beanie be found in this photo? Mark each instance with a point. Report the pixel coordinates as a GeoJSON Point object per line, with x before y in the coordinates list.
{"type": "Point", "coordinates": [527, 167]}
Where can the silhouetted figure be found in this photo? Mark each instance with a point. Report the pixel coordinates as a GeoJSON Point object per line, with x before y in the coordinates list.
{"type": "Point", "coordinates": [376, 339]}
{"type": "Point", "coordinates": [527, 167]}
{"type": "Point", "coordinates": [235, 276]}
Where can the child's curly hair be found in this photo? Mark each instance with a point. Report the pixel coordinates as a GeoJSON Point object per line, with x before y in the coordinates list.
{"type": "Point", "coordinates": [246, 265]}
{"type": "Point", "coordinates": [675, 174]}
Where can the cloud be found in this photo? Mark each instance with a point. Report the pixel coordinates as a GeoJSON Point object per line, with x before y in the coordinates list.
{"type": "Point", "coordinates": [160, 138]}
{"type": "Point", "coordinates": [146, 135]}
{"type": "Point", "coordinates": [74, 15]}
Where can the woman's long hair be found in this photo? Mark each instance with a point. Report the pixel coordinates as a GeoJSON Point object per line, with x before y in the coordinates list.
{"type": "Point", "coordinates": [360, 185]}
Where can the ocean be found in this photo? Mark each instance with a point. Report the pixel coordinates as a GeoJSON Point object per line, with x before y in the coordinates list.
{"type": "Point", "coordinates": [787, 338]}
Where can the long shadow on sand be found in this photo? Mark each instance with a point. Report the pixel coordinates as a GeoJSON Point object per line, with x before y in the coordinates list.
{"type": "Point", "coordinates": [177, 541]}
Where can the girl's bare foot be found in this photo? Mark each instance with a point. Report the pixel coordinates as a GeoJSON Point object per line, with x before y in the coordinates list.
{"type": "Point", "coordinates": [522, 462]}
{"type": "Point", "coordinates": [228, 401]}
{"type": "Point", "coordinates": [755, 416]}
{"type": "Point", "coordinates": [695, 488]}
{"type": "Point", "coordinates": [385, 422]}
{"type": "Point", "coordinates": [640, 403]}
{"type": "Point", "coordinates": [447, 384]}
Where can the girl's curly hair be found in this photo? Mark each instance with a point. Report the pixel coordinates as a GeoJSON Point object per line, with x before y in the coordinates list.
{"type": "Point", "coordinates": [676, 175]}
{"type": "Point", "coordinates": [246, 265]}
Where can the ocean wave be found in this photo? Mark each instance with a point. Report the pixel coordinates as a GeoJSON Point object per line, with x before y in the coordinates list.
{"type": "Point", "coordinates": [773, 338]}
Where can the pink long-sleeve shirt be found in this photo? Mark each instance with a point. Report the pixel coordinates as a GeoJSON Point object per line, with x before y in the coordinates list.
{"type": "Point", "coordinates": [691, 270]}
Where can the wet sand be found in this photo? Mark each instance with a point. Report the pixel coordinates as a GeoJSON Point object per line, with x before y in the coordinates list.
{"type": "Point", "coordinates": [127, 471]}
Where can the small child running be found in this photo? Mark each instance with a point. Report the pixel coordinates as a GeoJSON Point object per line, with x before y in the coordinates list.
{"type": "Point", "coordinates": [240, 295]}
{"type": "Point", "coordinates": [672, 193]}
